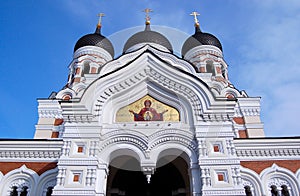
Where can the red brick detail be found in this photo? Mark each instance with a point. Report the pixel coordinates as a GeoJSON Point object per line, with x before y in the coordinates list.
{"type": "Point", "coordinates": [76, 178]}
{"type": "Point", "coordinates": [229, 96]}
{"type": "Point", "coordinates": [220, 177]}
{"type": "Point", "coordinates": [216, 148]}
{"type": "Point", "coordinates": [66, 97]}
{"type": "Point", "coordinates": [77, 79]}
{"type": "Point", "coordinates": [259, 166]}
{"type": "Point", "coordinates": [219, 71]}
{"type": "Point", "coordinates": [58, 121]}
{"type": "Point", "coordinates": [202, 70]}
{"type": "Point", "coordinates": [38, 167]}
{"type": "Point", "coordinates": [77, 71]}
{"type": "Point", "coordinates": [243, 134]}
{"type": "Point", "coordinates": [93, 70]}
{"type": "Point", "coordinates": [54, 134]}
{"type": "Point", "coordinates": [239, 120]}
{"type": "Point", "coordinates": [80, 149]}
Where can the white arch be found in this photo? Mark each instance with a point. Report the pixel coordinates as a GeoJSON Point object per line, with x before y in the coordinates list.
{"type": "Point", "coordinates": [174, 149]}
{"type": "Point", "coordinates": [148, 69]}
{"type": "Point", "coordinates": [46, 180]}
{"type": "Point", "coordinates": [298, 176]}
{"type": "Point", "coordinates": [66, 91]}
{"type": "Point", "coordinates": [117, 149]}
{"type": "Point", "coordinates": [252, 179]}
{"type": "Point", "coordinates": [19, 177]}
{"type": "Point", "coordinates": [279, 176]}
{"type": "Point", "coordinates": [1, 176]}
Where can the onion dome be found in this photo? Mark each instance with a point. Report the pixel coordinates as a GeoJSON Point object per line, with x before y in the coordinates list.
{"type": "Point", "coordinates": [147, 36]}
{"type": "Point", "coordinates": [95, 39]}
{"type": "Point", "coordinates": [198, 39]}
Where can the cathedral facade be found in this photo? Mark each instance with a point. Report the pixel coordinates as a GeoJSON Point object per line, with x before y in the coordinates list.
{"type": "Point", "coordinates": [149, 122]}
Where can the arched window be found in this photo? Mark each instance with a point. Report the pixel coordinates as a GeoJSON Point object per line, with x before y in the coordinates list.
{"type": "Point", "coordinates": [24, 191]}
{"type": "Point", "coordinates": [284, 190]}
{"type": "Point", "coordinates": [86, 68]}
{"type": "Point", "coordinates": [274, 191]}
{"type": "Point", "coordinates": [210, 67]}
{"type": "Point", "coordinates": [14, 191]}
{"type": "Point", "coordinates": [49, 191]}
{"type": "Point", "coordinates": [248, 191]}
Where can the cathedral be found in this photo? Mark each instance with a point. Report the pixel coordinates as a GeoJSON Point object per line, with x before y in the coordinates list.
{"type": "Point", "coordinates": [149, 122]}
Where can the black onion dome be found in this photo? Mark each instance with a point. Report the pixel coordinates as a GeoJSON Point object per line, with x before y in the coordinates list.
{"type": "Point", "coordinates": [95, 39]}
{"type": "Point", "coordinates": [198, 39]}
{"type": "Point", "coordinates": [147, 36]}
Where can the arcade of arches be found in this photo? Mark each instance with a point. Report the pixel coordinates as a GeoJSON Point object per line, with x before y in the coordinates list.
{"type": "Point", "coordinates": [170, 178]}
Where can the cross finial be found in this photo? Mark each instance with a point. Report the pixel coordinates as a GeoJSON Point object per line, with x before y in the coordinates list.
{"type": "Point", "coordinates": [195, 14]}
{"type": "Point", "coordinates": [100, 15]}
{"type": "Point", "coordinates": [147, 11]}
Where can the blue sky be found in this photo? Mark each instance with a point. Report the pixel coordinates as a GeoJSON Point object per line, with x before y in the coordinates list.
{"type": "Point", "coordinates": [260, 42]}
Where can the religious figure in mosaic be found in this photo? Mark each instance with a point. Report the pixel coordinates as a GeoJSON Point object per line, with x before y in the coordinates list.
{"type": "Point", "coordinates": [148, 113]}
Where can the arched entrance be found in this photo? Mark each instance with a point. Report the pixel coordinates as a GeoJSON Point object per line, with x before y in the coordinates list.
{"type": "Point", "coordinates": [170, 179]}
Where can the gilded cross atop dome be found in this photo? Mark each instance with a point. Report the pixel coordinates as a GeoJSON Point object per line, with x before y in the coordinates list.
{"type": "Point", "coordinates": [147, 11]}
{"type": "Point", "coordinates": [195, 14]}
{"type": "Point", "coordinates": [100, 15]}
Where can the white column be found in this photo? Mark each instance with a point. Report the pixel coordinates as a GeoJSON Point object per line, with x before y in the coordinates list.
{"type": "Point", "coordinates": [100, 176]}
{"type": "Point", "coordinates": [195, 181]}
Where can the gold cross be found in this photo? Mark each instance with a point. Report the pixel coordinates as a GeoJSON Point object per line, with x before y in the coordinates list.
{"type": "Point", "coordinates": [100, 15]}
{"type": "Point", "coordinates": [147, 11]}
{"type": "Point", "coordinates": [195, 14]}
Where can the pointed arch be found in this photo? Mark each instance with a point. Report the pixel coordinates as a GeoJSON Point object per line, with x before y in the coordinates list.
{"type": "Point", "coordinates": [148, 74]}
{"type": "Point", "coordinates": [251, 179]}
{"type": "Point", "coordinates": [117, 146]}
{"type": "Point", "coordinates": [46, 180]}
{"type": "Point", "coordinates": [298, 175]}
{"type": "Point", "coordinates": [21, 177]}
{"type": "Point", "coordinates": [1, 176]}
{"type": "Point", "coordinates": [278, 176]}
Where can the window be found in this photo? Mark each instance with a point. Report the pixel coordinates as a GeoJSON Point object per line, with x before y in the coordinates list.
{"type": "Point", "coordinates": [86, 69]}
{"type": "Point", "coordinates": [210, 67]}
{"type": "Point", "coordinates": [248, 191]}
{"type": "Point", "coordinates": [24, 191]}
{"type": "Point", "coordinates": [49, 191]}
{"type": "Point", "coordinates": [274, 191]}
{"type": "Point", "coordinates": [14, 191]}
{"type": "Point", "coordinates": [284, 190]}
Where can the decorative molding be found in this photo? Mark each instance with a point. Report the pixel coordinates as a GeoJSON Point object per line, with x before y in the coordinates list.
{"type": "Point", "coordinates": [49, 109]}
{"type": "Point", "coordinates": [30, 150]}
{"type": "Point", "coordinates": [239, 192]}
{"type": "Point", "coordinates": [93, 51]}
{"type": "Point", "coordinates": [77, 162]}
{"type": "Point", "coordinates": [218, 161]}
{"type": "Point", "coordinates": [146, 144]}
{"type": "Point", "coordinates": [262, 149]}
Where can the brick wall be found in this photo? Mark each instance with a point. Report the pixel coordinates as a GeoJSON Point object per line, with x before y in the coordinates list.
{"type": "Point", "coordinates": [38, 167]}
{"type": "Point", "coordinates": [259, 166]}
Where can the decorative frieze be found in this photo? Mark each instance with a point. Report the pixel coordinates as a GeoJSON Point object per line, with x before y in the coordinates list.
{"type": "Point", "coordinates": [29, 150]}
{"type": "Point", "coordinates": [251, 149]}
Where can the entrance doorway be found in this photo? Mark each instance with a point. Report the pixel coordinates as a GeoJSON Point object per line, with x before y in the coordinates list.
{"type": "Point", "coordinates": [170, 179]}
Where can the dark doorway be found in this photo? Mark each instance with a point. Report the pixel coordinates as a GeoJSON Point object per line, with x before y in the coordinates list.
{"type": "Point", "coordinates": [168, 180]}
